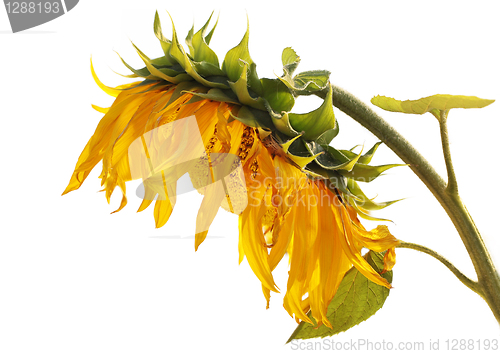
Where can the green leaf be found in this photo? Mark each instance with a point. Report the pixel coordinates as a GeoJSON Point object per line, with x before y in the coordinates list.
{"type": "Point", "coordinates": [356, 300]}
{"type": "Point", "coordinates": [428, 104]}
{"type": "Point", "coordinates": [365, 173]}
{"type": "Point", "coordinates": [290, 61]}
{"type": "Point", "coordinates": [235, 60]}
{"type": "Point", "coordinates": [315, 123]}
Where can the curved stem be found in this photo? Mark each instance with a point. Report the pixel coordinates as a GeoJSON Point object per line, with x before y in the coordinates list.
{"type": "Point", "coordinates": [471, 284]}
{"type": "Point", "coordinates": [488, 277]}
{"type": "Point", "coordinates": [452, 187]}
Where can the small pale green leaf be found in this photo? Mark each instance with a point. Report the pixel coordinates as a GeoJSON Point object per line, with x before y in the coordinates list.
{"type": "Point", "coordinates": [356, 300]}
{"type": "Point", "coordinates": [315, 123]}
{"type": "Point", "coordinates": [428, 104]}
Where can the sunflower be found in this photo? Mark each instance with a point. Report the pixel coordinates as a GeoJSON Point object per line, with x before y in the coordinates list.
{"type": "Point", "coordinates": [244, 150]}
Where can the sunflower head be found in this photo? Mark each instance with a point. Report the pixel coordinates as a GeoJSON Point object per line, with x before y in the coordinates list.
{"type": "Point", "coordinates": [236, 136]}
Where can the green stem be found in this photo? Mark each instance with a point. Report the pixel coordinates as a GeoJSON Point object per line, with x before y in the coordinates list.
{"type": "Point", "coordinates": [452, 187]}
{"type": "Point", "coordinates": [488, 277]}
{"type": "Point", "coordinates": [471, 284]}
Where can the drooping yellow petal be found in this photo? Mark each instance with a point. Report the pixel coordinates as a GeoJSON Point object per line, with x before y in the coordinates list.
{"type": "Point", "coordinates": [253, 243]}
{"type": "Point", "coordinates": [214, 194]}
{"type": "Point", "coordinates": [165, 205]}
{"type": "Point", "coordinates": [112, 91]}
{"type": "Point", "coordinates": [100, 109]}
{"type": "Point", "coordinates": [378, 239]}
{"type": "Point", "coordinates": [354, 256]}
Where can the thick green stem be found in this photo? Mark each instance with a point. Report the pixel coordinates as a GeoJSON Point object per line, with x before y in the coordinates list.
{"type": "Point", "coordinates": [488, 277]}
{"type": "Point", "coordinates": [471, 284]}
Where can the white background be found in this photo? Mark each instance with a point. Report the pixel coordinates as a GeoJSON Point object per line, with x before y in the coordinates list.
{"type": "Point", "coordinates": [75, 279]}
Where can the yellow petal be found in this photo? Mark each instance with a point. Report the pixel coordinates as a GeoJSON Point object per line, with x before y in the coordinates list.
{"type": "Point", "coordinates": [253, 243]}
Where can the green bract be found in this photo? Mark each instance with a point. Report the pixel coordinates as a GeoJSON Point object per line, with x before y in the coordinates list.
{"type": "Point", "coordinates": [265, 104]}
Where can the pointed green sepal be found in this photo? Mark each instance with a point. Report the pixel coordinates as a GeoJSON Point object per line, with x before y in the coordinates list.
{"type": "Point", "coordinates": [240, 88]}
{"type": "Point", "coordinates": [363, 213]}
{"type": "Point", "coordinates": [208, 38]}
{"type": "Point", "coordinates": [157, 72]}
{"type": "Point", "coordinates": [189, 40]}
{"type": "Point", "coordinates": [366, 158]}
{"type": "Point", "coordinates": [234, 61]}
{"type": "Point", "coordinates": [316, 122]}
{"type": "Point", "coordinates": [366, 173]}
{"type": "Point", "coordinates": [165, 43]}
{"type": "Point", "coordinates": [182, 58]}
{"type": "Point", "coordinates": [346, 165]}
{"type": "Point", "coordinates": [286, 146]}
{"type": "Point", "coordinates": [363, 201]}
{"type": "Point", "coordinates": [278, 95]}
{"type": "Point", "coordinates": [201, 50]}
{"type": "Point", "coordinates": [329, 135]}
{"type": "Point", "coordinates": [282, 123]}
